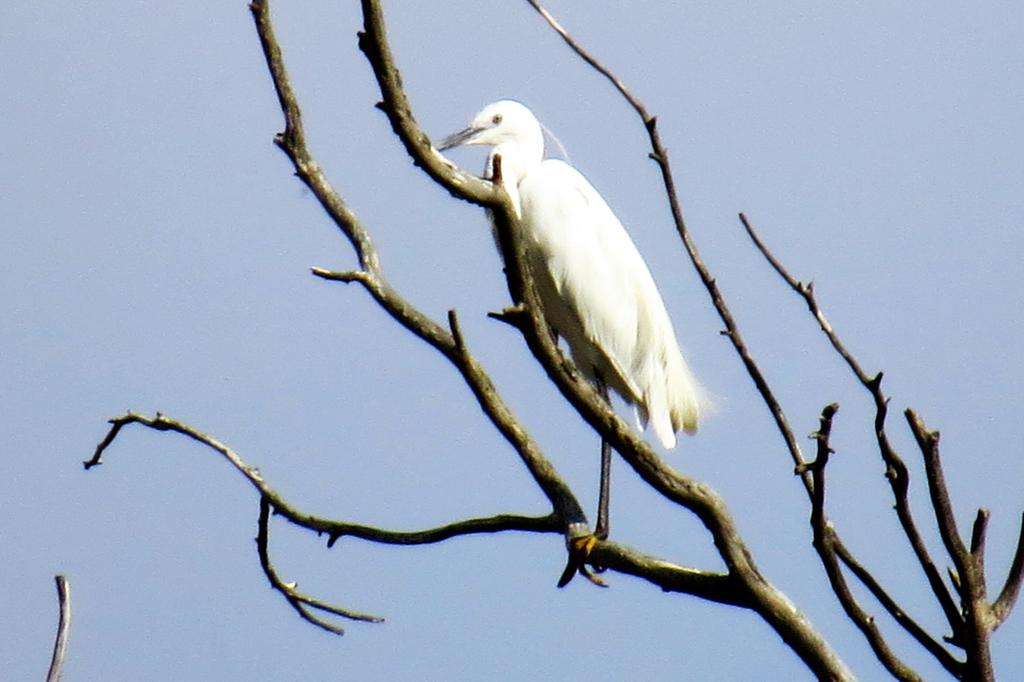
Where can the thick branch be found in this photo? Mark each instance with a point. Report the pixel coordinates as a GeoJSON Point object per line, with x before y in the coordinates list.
{"type": "Point", "coordinates": [696, 496]}
{"type": "Point", "coordinates": [771, 604]}
{"type": "Point", "coordinates": [718, 587]}
{"type": "Point", "coordinates": [394, 104]}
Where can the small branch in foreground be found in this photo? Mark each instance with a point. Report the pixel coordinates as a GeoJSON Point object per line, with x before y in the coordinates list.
{"type": "Point", "coordinates": [60, 644]}
{"type": "Point", "coordinates": [303, 604]}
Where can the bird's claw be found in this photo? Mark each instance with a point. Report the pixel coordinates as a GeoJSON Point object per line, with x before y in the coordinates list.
{"type": "Point", "coordinates": [579, 552]}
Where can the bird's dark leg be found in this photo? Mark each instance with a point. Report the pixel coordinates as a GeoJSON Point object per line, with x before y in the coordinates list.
{"type": "Point", "coordinates": [579, 548]}
{"type": "Point", "coordinates": [601, 531]}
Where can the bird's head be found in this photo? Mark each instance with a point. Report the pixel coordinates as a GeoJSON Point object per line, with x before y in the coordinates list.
{"type": "Point", "coordinates": [498, 123]}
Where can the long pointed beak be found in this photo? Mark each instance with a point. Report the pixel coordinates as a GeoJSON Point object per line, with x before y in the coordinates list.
{"type": "Point", "coordinates": [455, 139]}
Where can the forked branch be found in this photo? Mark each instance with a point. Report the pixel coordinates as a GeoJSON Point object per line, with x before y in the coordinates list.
{"type": "Point", "coordinates": [896, 470]}
{"type": "Point", "coordinates": [271, 501]}
{"type": "Point", "coordinates": [825, 542]}
{"type": "Point", "coordinates": [305, 605]}
{"type": "Point", "coordinates": [973, 621]}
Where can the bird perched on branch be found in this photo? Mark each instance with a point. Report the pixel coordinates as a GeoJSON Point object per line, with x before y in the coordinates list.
{"type": "Point", "coordinates": [594, 288]}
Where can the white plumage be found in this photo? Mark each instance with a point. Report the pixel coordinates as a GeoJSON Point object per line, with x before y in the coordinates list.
{"type": "Point", "coordinates": [594, 287]}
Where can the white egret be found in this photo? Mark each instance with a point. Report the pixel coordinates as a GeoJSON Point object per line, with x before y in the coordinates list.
{"type": "Point", "coordinates": [594, 288]}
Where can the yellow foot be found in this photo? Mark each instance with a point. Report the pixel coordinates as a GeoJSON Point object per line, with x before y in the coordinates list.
{"type": "Point", "coordinates": [579, 551]}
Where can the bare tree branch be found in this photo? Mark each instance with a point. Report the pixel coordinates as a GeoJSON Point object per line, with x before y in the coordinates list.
{"type": "Point", "coordinates": [667, 576]}
{"type": "Point", "coordinates": [333, 529]}
{"type": "Point", "coordinates": [915, 629]}
{"type": "Point", "coordinates": [928, 441]}
{"type": "Point", "coordinates": [978, 619]}
{"type": "Point", "coordinates": [303, 604]}
{"type": "Point", "coordinates": [826, 541]}
{"type": "Point", "coordinates": [568, 513]}
{"type": "Point", "coordinates": [60, 644]}
{"type": "Point", "coordinates": [896, 470]}
{"type": "Point", "coordinates": [306, 605]}
{"type": "Point", "coordinates": [491, 524]}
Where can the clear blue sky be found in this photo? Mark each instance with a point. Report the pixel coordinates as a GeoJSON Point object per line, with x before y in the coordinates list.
{"type": "Point", "coordinates": [156, 253]}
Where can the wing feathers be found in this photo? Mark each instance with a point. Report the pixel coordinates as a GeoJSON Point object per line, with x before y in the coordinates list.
{"type": "Point", "coordinates": [598, 294]}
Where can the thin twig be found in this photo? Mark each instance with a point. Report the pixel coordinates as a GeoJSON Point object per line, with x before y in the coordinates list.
{"type": "Point", "coordinates": [60, 644]}
{"type": "Point", "coordinates": [293, 143]}
{"type": "Point", "coordinates": [915, 629]}
{"type": "Point", "coordinates": [303, 604]}
{"type": "Point", "coordinates": [807, 292]}
{"type": "Point", "coordinates": [164, 423]}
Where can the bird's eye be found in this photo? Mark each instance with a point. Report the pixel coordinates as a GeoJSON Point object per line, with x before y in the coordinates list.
{"type": "Point", "coordinates": [497, 119]}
